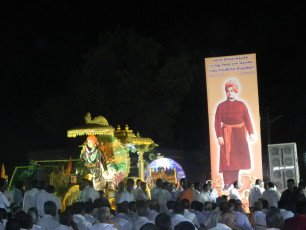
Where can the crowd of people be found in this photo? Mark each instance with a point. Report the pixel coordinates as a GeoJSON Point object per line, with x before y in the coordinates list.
{"type": "Point", "coordinates": [165, 207]}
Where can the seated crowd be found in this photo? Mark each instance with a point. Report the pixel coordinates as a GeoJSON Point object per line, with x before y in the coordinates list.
{"type": "Point", "coordinates": [191, 206]}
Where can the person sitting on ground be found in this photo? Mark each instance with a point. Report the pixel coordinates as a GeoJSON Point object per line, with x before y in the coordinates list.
{"type": "Point", "coordinates": [265, 205]}
{"type": "Point", "coordinates": [227, 221]}
{"type": "Point", "coordinates": [178, 214]}
{"type": "Point", "coordinates": [207, 208]}
{"type": "Point", "coordinates": [154, 209]}
{"type": "Point", "coordinates": [121, 218]}
{"type": "Point", "coordinates": [216, 214]}
{"type": "Point", "coordinates": [184, 225]}
{"type": "Point", "coordinates": [258, 216]}
{"type": "Point", "coordinates": [189, 215]}
{"type": "Point", "coordinates": [133, 210]}
{"type": "Point", "coordinates": [34, 215]}
{"type": "Point", "coordinates": [241, 219]}
{"type": "Point", "coordinates": [66, 221]}
{"type": "Point", "coordinates": [149, 226]}
{"type": "Point", "coordinates": [170, 205]}
{"type": "Point", "coordinates": [197, 209]}
{"type": "Point", "coordinates": [163, 221]}
{"type": "Point", "coordinates": [14, 210]}
{"type": "Point", "coordinates": [274, 219]}
{"type": "Point", "coordinates": [142, 212]}
{"type": "Point", "coordinates": [48, 221]}
{"type": "Point", "coordinates": [105, 220]}
{"type": "Point", "coordinates": [3, 218]}
{"type": "Point", "coordinates": [298, 222]}
{"type": "Point", "coordinates": [89, 208]}
{"type": "Point", "coordinates": [13, 224]}
{"type": "Point", "coordinates": [78, 216]}
{"type": "Point", "coordinates": [286, 213]}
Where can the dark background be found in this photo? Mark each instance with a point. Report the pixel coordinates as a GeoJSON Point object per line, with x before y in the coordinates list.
{"type": "Point", "coordinates": [42, 42]}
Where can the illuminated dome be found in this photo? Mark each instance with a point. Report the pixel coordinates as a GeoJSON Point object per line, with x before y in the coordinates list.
{"type": "Point", "coordinates": [166, 163]}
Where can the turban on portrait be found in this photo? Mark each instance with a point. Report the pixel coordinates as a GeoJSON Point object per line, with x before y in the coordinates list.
{"type": "Point", "coordinates": [232, 84]}
{"type": "Point", "coordinates": [93, 139]}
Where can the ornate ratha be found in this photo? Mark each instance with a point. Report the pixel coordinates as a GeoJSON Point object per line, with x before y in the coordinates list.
{"type": "Point", "coordinates": [104, 147]}
{"type": "Point", "coordinates": [113, 147]}
{"type": "Point", "coordinates": [140, 144]}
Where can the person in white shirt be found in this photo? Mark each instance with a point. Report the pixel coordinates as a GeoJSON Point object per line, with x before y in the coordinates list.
{"type": "Point", "coordinates": [78, 216]}
{"type": "Point", "coordinates": [123, 221]}
{"type": "Point", "coordinates": [205, 193]}
{"type": "Point", "coordinates": [256, 192]}
{"type": "Point", "coordinates": [156, 190]}
{"type": "Point", "coordinates": [172, 191]}
{"type": "Point", "coordinates": [3, 218]}
{"type": "Point", "coordinates": [141, 192]}
{"type": "Point", "coordinates": [41, 197]}
{"type": "Point", "coordinates": [18, 193]}
{"type": "Point", "coordinates": [89, 208]}
{"type": "Point", "coordinates": [29, 197]}
{"type": "Point", "coordinates": [189, 215]}
{"type": "Point", "coordinates": [271, 195]}
{"type": "Point", "coordinates": [163, 221]}
{"type": "Point", "coordinates": [88, 192]}
{"type": "Point", "coordinates": [259, 216]}
{"type": "Point", "coordinates": [4, 202]}
{"type": "Point", "coordinates": [143, 212]}
{"type": "Point", "coordinates": [178, 214]}
{"type": "Point", "coordinates": [212, 193]}
{"type": "Point", "coordinates": [274, 219]}
{"type": "Point", "coordinates": [241, 219]}
{"type": "Point", "coordinates": [154, 209]}
{"type": "Point", "coordinates": [234, 193]}
{"type": "Point", "coordinates": [198, 194]}
{"type": "Point", "coordinates": [48, 221]}
{"type": "Point", "coordinates": [104, 217]}
{"type": "Point", "coordinates": [163, 197]}
{"type": "Point", "coordinates": [286, 213]}
{"type": "Point", "coordinates": [66, 221]}
{"type": "Point", "coordinates": [120, 189]}
{"type": "Point", "coordinates": [227, 221]}
{"type": "Point", "coordinates": [57, 200]}
{"type": "Point", "coordinates": [180, 189]}
{"type": "Point", "coordinates": [127, 195]}
{"type": "Point", "coordinates": [32, 212]}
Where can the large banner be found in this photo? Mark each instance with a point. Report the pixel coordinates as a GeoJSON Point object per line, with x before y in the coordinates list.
{"type": "Point", "coordinates": [234, 122]}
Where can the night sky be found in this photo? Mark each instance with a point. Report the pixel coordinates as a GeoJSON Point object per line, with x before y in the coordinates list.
{"type": "Point", "coordinates": [42, 42]}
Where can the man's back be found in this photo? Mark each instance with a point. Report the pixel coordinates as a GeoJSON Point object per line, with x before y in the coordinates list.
{"type": "Point", "coordinates": [29, 199]}
{"type": "Point", "coordinates": [255, 194]}
{"type": "Point", "coordinates": [272, 197]}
